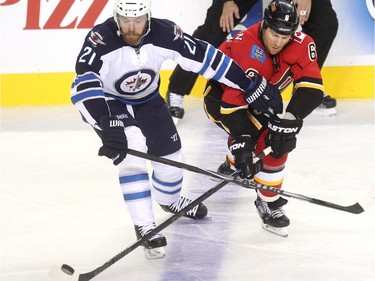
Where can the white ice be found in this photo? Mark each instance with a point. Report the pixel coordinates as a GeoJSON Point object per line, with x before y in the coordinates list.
{"type": "Point", "coordinates": [61, 203]}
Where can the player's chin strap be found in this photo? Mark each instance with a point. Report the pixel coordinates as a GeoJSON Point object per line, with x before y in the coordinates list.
{"type": "Point", "coordinates": [67, 273]}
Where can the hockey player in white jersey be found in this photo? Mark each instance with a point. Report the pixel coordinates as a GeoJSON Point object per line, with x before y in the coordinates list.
{"type": "Point", "coordinates": [116, 90]}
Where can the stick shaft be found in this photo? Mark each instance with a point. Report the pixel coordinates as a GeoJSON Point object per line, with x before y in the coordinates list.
{"type": "Point", "coordinates": [354, 209]}
{"type": "Point", "coordinates": [89, 275]}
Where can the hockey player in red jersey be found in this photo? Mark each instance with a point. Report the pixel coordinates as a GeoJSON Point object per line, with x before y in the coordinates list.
{"type": "Point", "coordinates": [274, 49]}
{"type": "Point", "coordinates": [317, 19]}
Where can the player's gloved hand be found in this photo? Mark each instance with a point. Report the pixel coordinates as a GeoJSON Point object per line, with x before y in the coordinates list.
{"type": "Point", "coordinates": [282, 135]}
{"type": "Point", "coordinates": [242, 149]}
{"type": "Point", "coordinates": [264, 97]}
{"type": "Point", "coordinates": [115, 143]}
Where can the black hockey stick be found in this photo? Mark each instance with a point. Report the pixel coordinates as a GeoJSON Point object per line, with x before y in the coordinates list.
{"type": "Point", "coordinates": [356, 208]}
{"type": "Point", "coordinates": [67, 273]}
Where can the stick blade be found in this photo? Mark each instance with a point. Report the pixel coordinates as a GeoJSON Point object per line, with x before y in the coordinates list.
{"type": "Point", "coordinates": [57, 274]}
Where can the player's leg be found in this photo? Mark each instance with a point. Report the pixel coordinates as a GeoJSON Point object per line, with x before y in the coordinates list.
{"type": "Point", "coordinates": [268, 204]}
{"type": "Point", "coordinates": [181, 83]}
{"type": "Point", "coordinates": [164, 140]}
{"type": "Point", "coordinates": [322, 26]}
{"type": "Point", "coordinates": [167, 185]}
{"type": "Point", "coordinates": [240, 122]}
{"type": "Point", "coordinates": [135, 184]}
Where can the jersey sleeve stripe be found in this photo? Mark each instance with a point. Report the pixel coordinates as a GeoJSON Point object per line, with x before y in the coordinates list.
{"type": "Point", "coordinates": [85, 87]}
{"type": "Point", "coordinates": [82, 96]}
{"type": "Point", "coordinates": [222, 68]}
{"type": "Point", "coordinates": [210, 54]}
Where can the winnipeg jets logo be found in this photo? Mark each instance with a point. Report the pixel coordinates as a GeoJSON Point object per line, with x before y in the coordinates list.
{"type": "Point", "coordinates": [95, 38]}
{"type": "Point", "coordinates": [135, 82]}
{"type": "Point", "coordinates": [178, 33]}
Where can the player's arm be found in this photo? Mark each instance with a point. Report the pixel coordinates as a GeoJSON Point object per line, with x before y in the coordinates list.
{"type": "Point", "coordinates": [203, 58]}
{"type": "Point", "coordinates": [283, 132]}
{"type": "Point", "coordinates": [88, 97]}
{"type": "Point", "coordinates": [87, 88]}
{"type": "Point", "coordinates": [304, 101]}
{"type": "Point", "coordinates": [308, 82]}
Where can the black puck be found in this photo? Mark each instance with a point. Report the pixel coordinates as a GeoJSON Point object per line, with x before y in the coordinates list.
{"type": "Point", "coordinates": [67, 269]}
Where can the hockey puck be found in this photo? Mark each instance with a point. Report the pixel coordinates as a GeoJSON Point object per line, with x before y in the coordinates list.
{"type": "Point", "coordinates": [67, 269]}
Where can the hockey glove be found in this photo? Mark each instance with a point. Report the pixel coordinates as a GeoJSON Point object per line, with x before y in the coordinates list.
{"type": "Point", "coordinates": [242, 149]}
{"type": "Point", "coordinates": [282, 135]}
{"type": "Point", "coordinates": [115, 143]}
{"type": "Point", "coordinates": [264, 97]}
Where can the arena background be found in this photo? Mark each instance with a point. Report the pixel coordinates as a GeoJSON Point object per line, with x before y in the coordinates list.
{"type": "Point", "coordinates": [41, 39]}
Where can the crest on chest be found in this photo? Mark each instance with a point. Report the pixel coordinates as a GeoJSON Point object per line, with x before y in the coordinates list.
{"type": "Point", "coordinates": [135, 81]}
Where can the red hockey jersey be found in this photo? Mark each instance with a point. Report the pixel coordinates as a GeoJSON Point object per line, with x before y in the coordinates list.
{"type": "Point", "coordinates": [296, 62]}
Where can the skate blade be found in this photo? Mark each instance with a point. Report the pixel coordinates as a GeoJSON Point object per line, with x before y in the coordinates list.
{"type": "Point", "coordinates": [326, 112]}
{"type": "Point", "coordinates": [156, 253]}
{"type": "Point", "coordinates": [280, 231]}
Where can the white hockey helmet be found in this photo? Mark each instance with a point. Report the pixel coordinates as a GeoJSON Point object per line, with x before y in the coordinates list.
{"type": "Point", "coordinates": [133, 8]}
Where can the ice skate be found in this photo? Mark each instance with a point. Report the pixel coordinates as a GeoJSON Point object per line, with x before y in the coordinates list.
{"type": "Point", "coordinates": [197, 213]}
{"type": "Point", "coordinates": [327, 108]}
{"type": "Point", "coordinates": [273, 216]}
{"type": "Point", "coordinates": [176, 108]}
{"type": "Point", "coordinates": [154, 246]}
{"type": "Point", "coordinates": [225, 168]}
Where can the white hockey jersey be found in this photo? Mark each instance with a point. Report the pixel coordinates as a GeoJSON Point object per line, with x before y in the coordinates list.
{"type": "Point", "coordinates": [108, 68]}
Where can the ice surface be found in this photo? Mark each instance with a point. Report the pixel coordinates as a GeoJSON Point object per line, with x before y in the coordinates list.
{"type": "Point", "coordinates": [60, 203]}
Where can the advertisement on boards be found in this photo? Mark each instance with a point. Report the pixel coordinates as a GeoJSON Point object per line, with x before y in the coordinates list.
{"type": "Point", "coordinates": [41, 39]}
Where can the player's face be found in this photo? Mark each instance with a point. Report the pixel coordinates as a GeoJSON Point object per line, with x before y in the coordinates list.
{"type": "Point", "coordinates": [132, 28]}
{"type": "Point", "coordinates": [273, 41]}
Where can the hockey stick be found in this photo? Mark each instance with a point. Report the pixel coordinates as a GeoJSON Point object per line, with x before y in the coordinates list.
{"type": "Point", "coordinates": [356, 208]}
{"type": "Point", "coordinates": [67, 273]}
